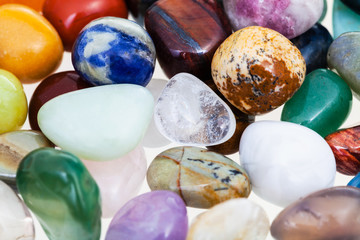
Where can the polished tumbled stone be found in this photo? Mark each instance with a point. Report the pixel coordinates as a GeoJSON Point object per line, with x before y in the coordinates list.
{"type": "Point", "coordinates": [158, 215]}
{"type": "Point", "coordinates": [328, 214]}
{"type": "Point", "coordinates": [353, 4]}
{"type": "Point", "coordinates": [285, 161]}
{"type": "Point", "coordinates": [344, 19]}
{"type": "Point", "coordinates": [59, 190]}
{"type": "Point", "coordinates": [114, 50]}
{"type": "Point", "coordinates": [98, 123]}
{"type": "Point", "coordinates": [343, 56]}
{"type": "Point", "coordinates": [193, 115]}
{"type": "Point", "coordinates": [201, 177]}
{"type": "Point", "coordinates": [322, 104]}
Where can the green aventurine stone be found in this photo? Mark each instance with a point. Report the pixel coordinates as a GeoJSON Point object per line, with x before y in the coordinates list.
{"type": "Point", "coordinates": [59, 190]}
{"type": "Point", "coordinates": [322, 103]}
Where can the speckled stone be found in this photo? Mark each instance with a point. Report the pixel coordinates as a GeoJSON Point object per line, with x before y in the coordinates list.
{"type": "Point", "coordinates": [201, 178]}
{"type": "Point", "coordinates": [257, 69]}
{"type": "Point", "coordinates": [328, 214]}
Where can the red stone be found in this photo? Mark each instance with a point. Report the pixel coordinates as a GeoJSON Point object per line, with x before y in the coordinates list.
{"type": "Point", "coordinates": [345, 145]}
{"type": "Point", "coordinates": [70, 16]}
{"type": "Point", "coordinates": [53, 86]}
{"type": "Point", "coordinates": [186, 34]}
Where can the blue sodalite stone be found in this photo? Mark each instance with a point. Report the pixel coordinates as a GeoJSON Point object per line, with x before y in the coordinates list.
{"type": "Point", "coordinates": [355, 182]}
{"type": "Point", "coordinates": [313, 45]}
{"type": "Point", "coordinates": [113, 50]}
{"type": "Point", "coordinates": [344, 19]}
{"type": "Point", "coordinates": [353, 4]}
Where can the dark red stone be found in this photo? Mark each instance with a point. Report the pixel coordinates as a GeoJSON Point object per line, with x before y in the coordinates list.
{"type": "Point", "coordinates": [53, 86]}
{"type": "Point", "coordinates": [186, 34]}
{"type": "Point", "coordinates": [345, 145]}
{"type": "Point", "coordinates": [70, 16]}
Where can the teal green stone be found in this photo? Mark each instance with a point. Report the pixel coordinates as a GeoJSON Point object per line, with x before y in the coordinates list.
{"type": "Point", "coordinates": [344, 19]}
{"type": "Point", "coordinates": [323, 15]}
{"type": "Point", "coordinates": [322, 103]}
{"type": "Point", "coordinates": [59, 190]}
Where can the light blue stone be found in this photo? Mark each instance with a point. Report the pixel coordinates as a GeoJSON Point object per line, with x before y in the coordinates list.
{"type": "Point", "coordinates": [355, 182]}
{"type": "Point", "coordinates": [344, 19]}
{"type": "Point", "coordinates": [114, 50]}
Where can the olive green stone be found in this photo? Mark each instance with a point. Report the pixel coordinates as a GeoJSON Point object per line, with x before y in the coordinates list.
{"type": "Point", "coordinates": [322, 103]}
{"type": "Point", "coordinates": [59, 190]}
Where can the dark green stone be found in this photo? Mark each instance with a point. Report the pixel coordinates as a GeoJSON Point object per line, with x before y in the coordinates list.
{"type": "Point", "coordinates": [60, 191]}
{"type": "Point", "coordinates": [322, 103]}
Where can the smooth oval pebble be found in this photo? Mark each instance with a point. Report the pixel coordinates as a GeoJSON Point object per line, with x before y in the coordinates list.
{"type": "Point", "coordinates": [313, 45]}
{"type": "Point", "coordinates": [328, 214]}
{"type": "Point", "coordinates": [285, 161]}
{"type": "Point", "coordinates": [289, 17]}
{"type": "Point", "coordinates": [343, 56]}
{"type": "Point", "coordinates": [59, 190]}
{"type": "Point", "coordinates": [322, 104]}
{"type": "Point", "coordinates": [30, 46]}
{"type": "Point", "coordinates": [119, 180]}
{"type": "Point", "coordinates": [193, 116]}
{"type": "Point", "coordinates": [345, 145]}
{"type": "Point", "coordinates": [158, 215]}
{"type": "Point", "coordinates": [231, 220]}
{"type": "Point", "coordinates": [53, 86]}
{"type": "Point", "coordinates": [344, 19]}
{"type": "Point", "coordinates": [14, 146]}
{"type": "Point", "coordinates": [13, 103]}
{"type": "Point", "coordinates": [257, 69]}
{"type": "Point", "coordinates": [98, 123]}
{"type": "Point", "coordinates": [113, 50]}
{"type": "Point", "coordinates": [15, 219]}
{"type": "Point", "coordinates": [200, 177]}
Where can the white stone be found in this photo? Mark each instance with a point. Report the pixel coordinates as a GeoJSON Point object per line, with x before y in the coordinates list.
{"type": "Point", "coordinates": [189, 112]}
{"type": "Point", "coordinates": [286, 161]}
{"type": "Point", "coordinates": [233, 219]}
{"type": "Point", "coordinates": [15, 219]}
{"type": "Point", "coordinates": [98, 123]}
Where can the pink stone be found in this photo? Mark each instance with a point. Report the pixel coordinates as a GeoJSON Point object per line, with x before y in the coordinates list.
{"type": "Point", "coordinates": [119, 180]}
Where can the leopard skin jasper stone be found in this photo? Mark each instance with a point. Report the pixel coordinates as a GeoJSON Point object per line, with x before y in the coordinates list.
{"type": "Point", "coordinates": [258, 69]}
{"type": "Point", "coordinates": [201, 178]}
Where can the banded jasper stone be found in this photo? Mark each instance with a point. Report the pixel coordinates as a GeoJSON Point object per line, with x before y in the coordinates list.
{"type": "Point", "coordinates": [332, 213]}
{"type": "Point", "coordinates": [201, 178]}
{"type": "Point", "coordinates": [322, 104]}
{"type": "Point", "coordinates": [257, 69]}
{"type": "Point", "coordinates": [186, 34]}
{"type": "Point", "coordinates": [345, 145]}
{"type": "Point", "coordinates": [59, 190]}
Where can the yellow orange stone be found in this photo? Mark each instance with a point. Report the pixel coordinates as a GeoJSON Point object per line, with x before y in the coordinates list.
{"type": "Point", "coordinates": [13, 104]}
{"type": "Point", "coordinates": [35, 4]}
{"type": "Point", "coordinates": [30, 47]}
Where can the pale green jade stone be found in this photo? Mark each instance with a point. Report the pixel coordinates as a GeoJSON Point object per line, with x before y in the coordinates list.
{"type": "Point", "coordinates": [98, 123]}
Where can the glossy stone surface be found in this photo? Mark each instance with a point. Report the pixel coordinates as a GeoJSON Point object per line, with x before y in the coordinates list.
{"type": "Point", "coordinates": [186, 34]}
{"type": "Point", "coordinates": [153, 138]}
{"type": "Point", "coordinates": [15, 219]}
{"type": "Point", "coordinates": [35, 4]}
{"type": "Point", "coordinates": [53, 86]}
{"type": "Point", "coordinates": [14, 146]}
{"type": "Point", "coordinates": [289, 17]}
{"type": "Point", "coordinates": [138, 8]}
{"type": "Point", "coordinates": [313, 45]}
{"type": "Point", "coordinates": [193, 116]}
{"type": "Point", "coordinates": [324, 12]}
{"type": "Point", "coordinates": [114, 50]}
{"type": "Point", "coordinates": [13, 103]}
{"type": "Point", "coordinates": [159, 215]}
{"type": "Point", "coordinates": [353, 4]}
{"type": "Point", "coordinates": [30, 46]}
{"type": "Point", "coordinates": [355, 182]}
{"type": "Point", "coordinates": [285, 161]}
{"type": "Point", "coordinates": [257, 76]}
{"type": "Point", "coordinates": [344, 19]}
{"type": "Point", "coordinates": [345, 145]}
{"type": "Point", "coordinates": [119, 180]}
{"type": "Point", "coordinates": [59, 190]}
{"type": "Point", "coordinates": [69, 17]}
{"type": "Point", "coordinates": [98, 123]}
{"type": "Point", "coordinates": [233, 219]}
{"type": "Point", "coordinates": [200, 177]}
{"type": "Point", "coordinates": [343, 55]}
{"type": "Point", "coordinates": [322, 104]}
{"type": "Point", "coordinates": [328, 214]}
